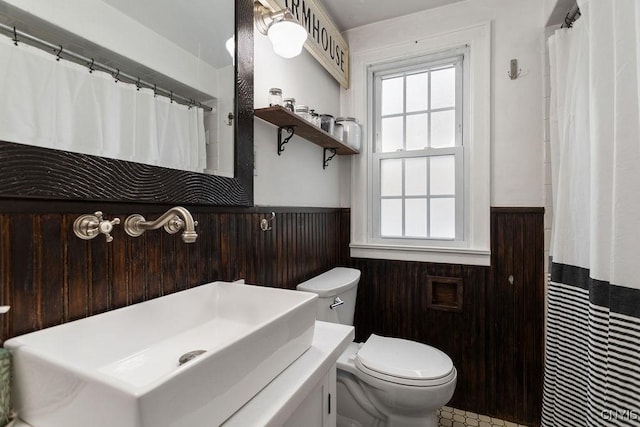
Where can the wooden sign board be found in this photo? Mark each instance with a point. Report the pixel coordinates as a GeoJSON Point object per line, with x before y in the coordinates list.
{"type": "Point", "coordinates": [324, 41]}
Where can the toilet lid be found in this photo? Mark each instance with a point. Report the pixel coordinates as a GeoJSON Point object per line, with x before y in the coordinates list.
{"type": "Point", "coordinates": [404, 362]}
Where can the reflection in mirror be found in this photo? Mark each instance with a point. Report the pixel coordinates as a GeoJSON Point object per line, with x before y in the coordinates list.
{"type": "Point", "coordinates": [177, 46]}
{"type": "Point", "coordinates": [42, 173]}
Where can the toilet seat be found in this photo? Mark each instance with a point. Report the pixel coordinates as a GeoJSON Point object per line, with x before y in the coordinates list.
{"type": "Point", "coordinates": [404, 362]}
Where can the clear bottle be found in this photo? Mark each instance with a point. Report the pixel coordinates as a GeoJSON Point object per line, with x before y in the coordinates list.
{"type": "Point", "coordinates": [352, 133]}
{"type": "Point", "coordinates": [275, 96]}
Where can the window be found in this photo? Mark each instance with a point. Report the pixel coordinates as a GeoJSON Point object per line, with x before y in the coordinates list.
{"type": "Point", "coordinates": [417, 126]}
{"type": "Point", "coordinates": [421, 187]}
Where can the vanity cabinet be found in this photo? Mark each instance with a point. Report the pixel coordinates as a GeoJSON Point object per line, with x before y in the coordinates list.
{"type": "Point", "coordinates": [319, 407]}
{"type": "Point", "coordinates": [303, 395]}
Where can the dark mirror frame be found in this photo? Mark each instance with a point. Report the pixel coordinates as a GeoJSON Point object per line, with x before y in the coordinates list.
{"type": "Point", "coordinates": [42, 173]}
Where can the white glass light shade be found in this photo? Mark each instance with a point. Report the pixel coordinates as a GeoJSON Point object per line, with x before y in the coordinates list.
{"type": "Point", "coordinates": [230, 45]}
{"type": "Point", "coordinates": [287, 38]}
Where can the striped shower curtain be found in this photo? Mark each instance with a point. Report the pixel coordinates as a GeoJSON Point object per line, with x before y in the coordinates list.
{"type": "Point", "coordinates": [592, 366]}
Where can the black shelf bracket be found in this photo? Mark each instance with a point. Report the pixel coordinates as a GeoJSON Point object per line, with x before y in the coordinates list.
{"type": "Point", "coordinates": [325, 159]}
{"type": "Point", "coordinates": [281, 141]}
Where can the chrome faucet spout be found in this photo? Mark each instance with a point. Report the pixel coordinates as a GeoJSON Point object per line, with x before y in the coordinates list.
{"type": "Point", "coordinates": [173, 220]}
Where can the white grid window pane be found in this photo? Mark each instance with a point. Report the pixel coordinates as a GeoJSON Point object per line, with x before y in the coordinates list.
{"type": "Point", "coordinates": [415, 176]}
{"type": "Point", "coordinates": [415, 218]}
{"type": "Point", "coordinates": [442, 175]}
{"type": "Point", "coordinates": [391, 177]}
{"type": "Point", "coordinates": [443, 129]}
{"type": "Point", "coordinates": [392, 134]}
{"type": "Point", "coordinates": [392, 96]}
{"type": "Point", "coordinates": [443, 218]}
{"type": "Point", "coordinates": [417, 128]}
{"type": "Point", "coordinates": [417, 131]}
{"type": "Point", "coordinates": [417, 92]}
{"type": "Point", "coordinates": [443, 88]}
{"type": "Point", "coordinates": [391, 217]}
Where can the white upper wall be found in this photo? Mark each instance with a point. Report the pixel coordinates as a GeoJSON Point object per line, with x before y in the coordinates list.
{"type": "Point", "coordinates": [296, 177]}
{"type": "Point", "coordinates": [106, 26]}
{"type": "Point", "coordinates": [517, 105]}
{"type": "Point", "coordinates": [556, 10]}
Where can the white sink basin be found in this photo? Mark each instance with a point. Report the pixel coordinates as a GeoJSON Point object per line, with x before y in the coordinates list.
{"type": "Point", "coordinates": [120, 368]}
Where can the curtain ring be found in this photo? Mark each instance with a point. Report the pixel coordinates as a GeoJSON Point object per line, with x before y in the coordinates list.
{"type": "Point", "coordinates": [155, 90]}
{"type": "Point", "coordinates": [91, 66]}
{"type": "Point", "coordinates": [59, 54]}
{"type": "Point", "coordinates": [171, 97]}
{"type": "Point", "coordinates": [15, 36]}
{"type": "Point", "coordinates": [117, 75]}
{"type": "Point", "coordinates": [138, 84]}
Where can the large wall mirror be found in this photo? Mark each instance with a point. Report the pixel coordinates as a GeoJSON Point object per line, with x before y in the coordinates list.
{"type": "Point", "coordinates": [201, 27]}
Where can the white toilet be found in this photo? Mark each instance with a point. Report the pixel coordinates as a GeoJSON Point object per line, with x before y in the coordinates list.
{"type": "Point", "coordinates": [383, 381]}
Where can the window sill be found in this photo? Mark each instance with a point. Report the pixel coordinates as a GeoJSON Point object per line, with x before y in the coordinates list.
{"type": "Point", "coordinates": [462, 256]}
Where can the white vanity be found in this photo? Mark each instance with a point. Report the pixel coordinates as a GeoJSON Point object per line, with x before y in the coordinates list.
{"type": "Point", "coordinates": [299, 396]}
{"type": "Point", "coordinates": [219, 353]}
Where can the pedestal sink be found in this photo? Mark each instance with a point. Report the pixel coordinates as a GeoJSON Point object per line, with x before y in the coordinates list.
{"type": "Point", "coordinates": [123, 368]}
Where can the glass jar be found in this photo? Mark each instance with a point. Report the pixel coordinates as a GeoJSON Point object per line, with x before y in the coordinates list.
{"type": "Point", "coordinates": [327, 123]}
{"type": "Point", "coordinates": [290, 104]}
{"type": "Point", "coordinates": [303, 112]}
{"type": "Point", "coordinates": [338, 131]}
{"type": "Point", "coordinates": [314, 118]}
{"type": "Point", "coordinates": [352, 133]}
{"type": "Point", "coordinates": [275, 96]}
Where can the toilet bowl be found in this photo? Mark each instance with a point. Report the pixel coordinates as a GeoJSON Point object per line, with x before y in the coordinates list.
{"type": "Point", "coordinates": [384, 381]}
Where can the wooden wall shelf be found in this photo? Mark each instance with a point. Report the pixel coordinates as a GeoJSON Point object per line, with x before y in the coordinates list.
{"type": "Point", "coordinates": [284, 119]}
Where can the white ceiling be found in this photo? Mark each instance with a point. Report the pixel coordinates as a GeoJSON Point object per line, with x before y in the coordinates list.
{"type": "Point", "coordinates": [349, 14]}
{"type": "Point", "coordinates": [201, 27]}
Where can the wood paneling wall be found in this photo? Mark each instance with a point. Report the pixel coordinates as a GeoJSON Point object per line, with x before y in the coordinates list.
{"type": "Point", "coordinates": [515, 314]}
{"type": "Point", "coordinates": [49, 276]}
{"type": "Point", "coordinates": [496, 340]}
{"type": "Point", "coordinates": [392, 301]}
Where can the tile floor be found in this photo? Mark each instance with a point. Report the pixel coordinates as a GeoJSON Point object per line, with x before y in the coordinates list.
{"type": "Point", "coordinates": [450, 417]}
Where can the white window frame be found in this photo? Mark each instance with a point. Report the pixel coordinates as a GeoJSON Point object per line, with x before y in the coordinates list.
{"type": "Point", "coordinates": [473, 248]}
{"type": "Point", "coordinates": [422, 63]}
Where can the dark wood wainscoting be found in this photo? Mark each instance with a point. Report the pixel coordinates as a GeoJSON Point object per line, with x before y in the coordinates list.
{"type": "Point", "coordinates": [515, 315]}
{"type": "Point", "coordinates": [392, 301]}
{"type": "Point", "coordinates": [49, 276]}
{"type": "Point", "coordinates": [491, 328]}
{"type": "Point", "coordinates": [496, 339]}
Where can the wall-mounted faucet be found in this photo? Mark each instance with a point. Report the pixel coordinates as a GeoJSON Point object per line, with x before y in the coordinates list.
{"type": "Point", "coordinates": [173, 220]}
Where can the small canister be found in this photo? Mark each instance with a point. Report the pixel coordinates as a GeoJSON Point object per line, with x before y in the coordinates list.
{"type": "Point", "coordinates": [327, 123]}
{"type": "Point", "coordinates": [352, 132]}
{"type": "Point", "coordinates": [303, 112]}
{"type": "Point", "coordinates": [275, 96]}
{"type": "Point", "coordinates": [290, 104]}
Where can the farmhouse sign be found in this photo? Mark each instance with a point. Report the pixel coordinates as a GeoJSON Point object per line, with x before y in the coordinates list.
{"type": "Point", "coordinates": [324, 41]}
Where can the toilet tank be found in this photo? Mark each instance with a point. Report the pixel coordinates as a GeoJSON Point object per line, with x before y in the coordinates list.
{"type": "Point", "coordinates": [339, 282]}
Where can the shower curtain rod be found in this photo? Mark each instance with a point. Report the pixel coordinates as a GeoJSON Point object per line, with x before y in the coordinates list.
{"type": "Point", "coordinates": [572, 16]}
{"type": "Point", "coordinates": [61, 53]}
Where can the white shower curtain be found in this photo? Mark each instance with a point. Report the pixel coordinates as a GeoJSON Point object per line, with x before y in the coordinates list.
{"type": "Point", "coordinates": [592, 366]}
{"type": "Point", "coordinates": [59, 104]}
